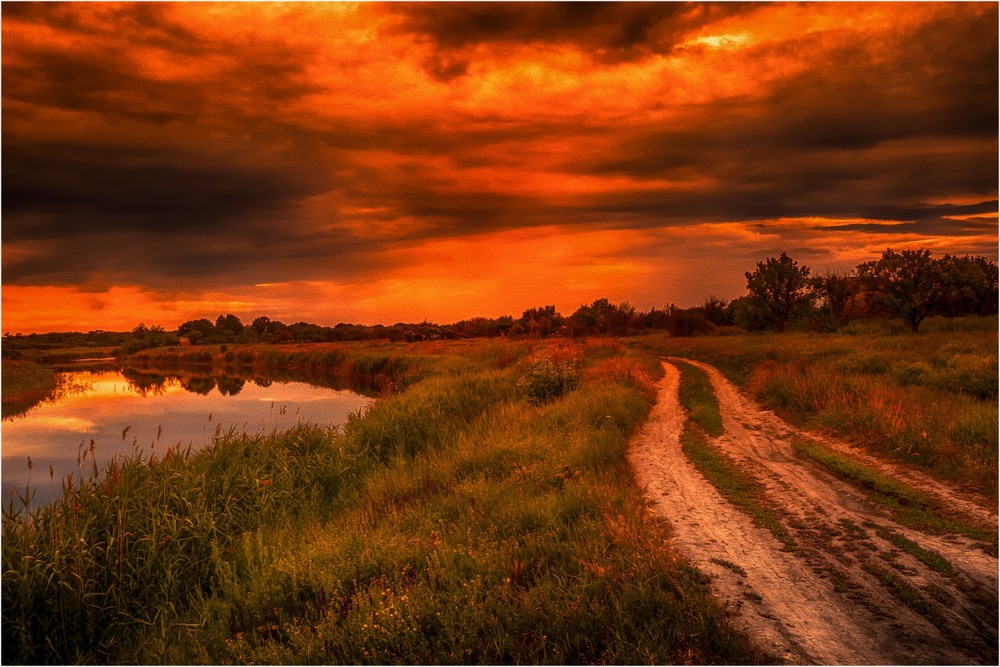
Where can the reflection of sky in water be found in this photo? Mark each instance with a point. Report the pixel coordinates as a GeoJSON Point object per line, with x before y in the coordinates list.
{"type": "Point", "coordinates": [52, 433]}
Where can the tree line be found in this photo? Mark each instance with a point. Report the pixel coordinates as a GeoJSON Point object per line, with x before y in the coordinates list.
{"type": "Point", "coordinates": [910, 285]}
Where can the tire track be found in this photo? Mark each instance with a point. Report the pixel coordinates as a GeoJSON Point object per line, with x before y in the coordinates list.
{"type": "Point", "coordinates": [828, 602]}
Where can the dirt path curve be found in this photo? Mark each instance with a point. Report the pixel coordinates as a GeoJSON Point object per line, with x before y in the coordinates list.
{"type": "Point", "coordinates": [827, 601]}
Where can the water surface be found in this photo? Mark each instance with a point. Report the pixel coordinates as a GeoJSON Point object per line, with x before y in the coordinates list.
{"type": "Point", "coordinates": [123, 413]}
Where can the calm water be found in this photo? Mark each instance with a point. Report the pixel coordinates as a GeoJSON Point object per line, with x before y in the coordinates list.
{"type": "Point", "coordinates": [150, 413]}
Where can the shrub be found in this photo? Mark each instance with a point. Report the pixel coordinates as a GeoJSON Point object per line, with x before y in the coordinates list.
{"type": "Point", "coordinates": [548, 380]}
{"type": "Point", "coordinates": [911, 373]}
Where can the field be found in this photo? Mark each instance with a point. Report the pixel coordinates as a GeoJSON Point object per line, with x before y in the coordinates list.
{"type": "Point", "coordinates": [606, 500]}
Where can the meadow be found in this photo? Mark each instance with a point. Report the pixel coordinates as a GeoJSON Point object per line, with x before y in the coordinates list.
{"type": "Point", "coordinates": [481, 511]}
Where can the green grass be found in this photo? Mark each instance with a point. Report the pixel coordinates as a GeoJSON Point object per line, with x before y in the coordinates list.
{"type": "Point", "coordinates": [697, 396]}
{"type": "Point", "coordinates": [928, 557]}
{"type": "Point", "coordinates": [929, 400]}
{"type": "Point", "coordinates": [25, 384]}
{"type": "Point", "coordinates": [734, 482]}
{"type": "Point", "coordinates": [909, 506]}
{"type": "Point", "coordinates": [457, 521]}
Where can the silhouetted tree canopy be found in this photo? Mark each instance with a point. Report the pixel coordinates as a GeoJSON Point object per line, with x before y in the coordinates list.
{"type": "Point", "coordinates": [778, 288]}
{"type": "Point", "coordinates": [912, 284]}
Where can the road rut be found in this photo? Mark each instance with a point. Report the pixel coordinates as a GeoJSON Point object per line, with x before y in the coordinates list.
{"type": "Point", "coordinates": [826, 601]}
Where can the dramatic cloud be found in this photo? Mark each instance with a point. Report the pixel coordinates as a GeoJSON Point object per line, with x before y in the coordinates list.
{"type": "Point", "coordinates": [380, 162]}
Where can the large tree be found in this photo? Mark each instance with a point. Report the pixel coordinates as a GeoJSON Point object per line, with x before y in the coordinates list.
{"type": "Point", "coordinates": [913, 284]}
{"type": "Point", "coordinates": [975, 285]}
{"type": "Point", "coordinates": [779, 288]}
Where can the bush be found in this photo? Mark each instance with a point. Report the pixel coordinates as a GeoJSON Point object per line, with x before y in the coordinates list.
{"type": "Point", "coordinates": [548, 380]}
{"type": "Point", "coordinates": [911, 373]}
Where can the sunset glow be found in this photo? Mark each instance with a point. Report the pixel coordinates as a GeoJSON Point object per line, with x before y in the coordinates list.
{"type": "Point", "coordinates": [377, 163]}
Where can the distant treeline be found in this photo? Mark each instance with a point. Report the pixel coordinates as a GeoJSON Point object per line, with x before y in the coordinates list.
{"type": "Point", "coordinates": [781, 293]}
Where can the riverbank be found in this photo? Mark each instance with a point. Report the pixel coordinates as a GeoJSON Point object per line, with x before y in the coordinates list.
{"type": "Point", "coordinates": [24, 384]}
{"type": "Point", "coordinates": [482, 512]}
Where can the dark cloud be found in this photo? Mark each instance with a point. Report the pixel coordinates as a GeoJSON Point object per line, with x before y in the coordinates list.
{"type": "Point", "coordinates": [609, 32]}
{"type": "Point", "coordinates": [124, 188]}
{"type": "Point", "coordinates": [862, 136]}
{"type": "Point", "coordinates": [176, 178]}
{"type": "Point", "coordinates": [211, 175]}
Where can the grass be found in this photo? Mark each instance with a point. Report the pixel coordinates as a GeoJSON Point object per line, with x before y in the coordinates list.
{"type": "Point", "coordinates": [929, 399]}
{"type": "Point", "coordinates": [382, 365]}
{"type": "Point", "coordinates": [697, 396]}
{"type": "Point", "coordinates": [64, 355]}
{"type": "Point", "coordinates": [928, 557]}
{"type": "Point", "coordinates": [733, 481]}
{"type": "Point", "coordinates": [25, 384]}
{"type": "Point", "coordinates": [459, 520]}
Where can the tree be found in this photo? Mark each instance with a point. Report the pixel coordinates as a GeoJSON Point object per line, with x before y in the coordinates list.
{"type": "Point", "coordinates": [834, 291]}
{"type": "Point", "coordinates": [779, 288]}
{"type": "Point", "coordinates": [196, 330]}
{"type": "Point", "coordinates": [541, 321]}
{"type": "Point", "coordinates": [912, 284]}
{"type": "Point", "coordinates": [975, 286]}
{"type": "Point", "coordinates": [625, 314]}
{"type": "Point", "coordinates": [716, 311]}
{"type": "Point", "coordinates": [229, 326]}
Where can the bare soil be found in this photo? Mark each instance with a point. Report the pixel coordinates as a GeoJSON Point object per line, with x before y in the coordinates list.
{"type": "Point", "coordinates": [832, 598]}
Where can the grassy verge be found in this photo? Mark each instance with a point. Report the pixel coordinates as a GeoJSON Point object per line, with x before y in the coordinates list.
{"type": "Point", "coordinates": [25, 384]}
{"type": "Point", "coordinates": [732, 481]}
{"type": "Point", "coordinates": [463, 519]}
{"type": "Point", "coordinates": [929, 400]}
{"type": "Point", "coordinates": [909, 506]}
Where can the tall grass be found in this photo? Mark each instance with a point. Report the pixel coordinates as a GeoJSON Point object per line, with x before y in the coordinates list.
{"type": "Point", "coordinates": [956, 436]}
{"type": "Point", "coordinates": [145, 543]}
{"type": "Point", "coordinates": [456, 521]}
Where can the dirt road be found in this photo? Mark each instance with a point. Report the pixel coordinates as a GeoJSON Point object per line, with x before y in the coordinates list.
{"type": "Point", "coordinates": [835, 597]}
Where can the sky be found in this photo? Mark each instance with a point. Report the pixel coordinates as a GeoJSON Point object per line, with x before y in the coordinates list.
{"type": "Point", "coordinates": [377, 163]}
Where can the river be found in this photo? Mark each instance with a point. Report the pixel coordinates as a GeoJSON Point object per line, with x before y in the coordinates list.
{"type": "Point", "coordinates": [125, 413]}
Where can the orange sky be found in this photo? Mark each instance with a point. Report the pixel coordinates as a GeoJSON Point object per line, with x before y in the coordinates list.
{"type": "Point", "coordinates": [330, 162]}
